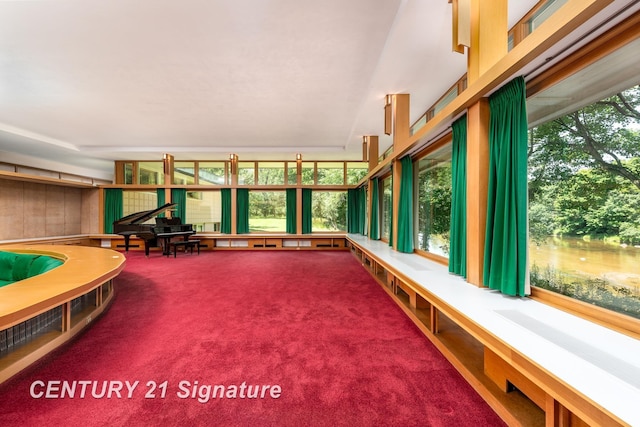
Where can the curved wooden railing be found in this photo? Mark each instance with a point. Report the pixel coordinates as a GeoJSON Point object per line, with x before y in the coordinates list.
{"type": "Point", "coordinates": [41, 313]}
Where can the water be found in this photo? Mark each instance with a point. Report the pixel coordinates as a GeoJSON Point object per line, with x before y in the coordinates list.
{"type": "Point", "coordinates": [617, 264]}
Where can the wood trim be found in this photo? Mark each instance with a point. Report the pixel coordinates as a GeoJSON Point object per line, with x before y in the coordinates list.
{"type": "Point", "coordinates": [619, 322]}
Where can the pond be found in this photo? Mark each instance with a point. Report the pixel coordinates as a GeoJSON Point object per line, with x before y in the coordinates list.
{"type": "Point", "coordinates": [617, 264]}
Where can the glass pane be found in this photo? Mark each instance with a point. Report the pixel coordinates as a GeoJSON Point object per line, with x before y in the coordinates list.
{"type": "Point", "coordinates": [151, 173]}
{"type": "Point", "coordinates": [356, 171]}
{"type": "Point", "coordinates": [211, 173]}
{"type": "Point", "coordinates": [329, 211]}
{"type": "Point", "coordinates": [267, 211]}
{"type": "Point", "coordinates": [138, 201]}
{"type": "Point", "coordinates": [542, 14]}
{"type": "Point", "coordinates": [271, 173]}
{"type": "Point", "coordinates": [307, 173]}
{"type": "Point", "coordinates": [330, 173]}
{"type": "Point", "coordinates": [246, 173]}
{"type": "Point", "coordinates": [128, 173]}
{"type": "Point", "coordinates": [434, 202]}
{"type": "Point", "coordinates": [292, 173]}
{"type": "Point", "coordinates": [184, 173]}
{"type": "Point", "coordinates": [204, 210]}
{"type": "Point", "coordinates": [584, 204]}
{"type": "Point", "coordinates": [385, 224]}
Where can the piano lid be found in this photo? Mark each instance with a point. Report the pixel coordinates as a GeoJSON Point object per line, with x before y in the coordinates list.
{"type": "Point", "coordinates": [140, 217]}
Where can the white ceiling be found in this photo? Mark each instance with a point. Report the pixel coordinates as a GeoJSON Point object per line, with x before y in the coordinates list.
{"type": "Point", "coordinates": [86, 82]}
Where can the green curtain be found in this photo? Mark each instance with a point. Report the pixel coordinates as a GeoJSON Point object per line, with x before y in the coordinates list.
{"type": "Point", "coordinates": [352, 210]}
{"type": "Point", "coordinates": [391, 212]}
{"type": "Point", "coordinates": [505, 259]}
{"type": "Point", "coordinates": [161, 200]}
{"type": "Point", "coordinates": [307, 214]}
{"type": "Point", "coordinates": [405, 206]}
{"type": "Point", "coordinates": [242, 214]}
{"type": "Point", "coordinates": [179, 196]}
{"type": "Point", "coordinates": [291, 211]}
{"type": "Point", "coordinates": [458, 224]}
{"type": "Point", "coordinates": [225, 217]}
{"type": "Point", "coordinates": [374, 226]}
{"type": "Point", "coordinates": [113, 207]}
{"type": "Point", "coordinates": [362, 209]}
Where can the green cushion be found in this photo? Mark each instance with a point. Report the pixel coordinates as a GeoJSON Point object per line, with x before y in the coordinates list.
{"type": "Point", "coordinates": [42, 264]}
{"type": "Point", "coordinates": [7, 259]}
{"type": "Point", "coordinates": [21, 266]}
{"type": "Point", "coordinates": [5, 282]}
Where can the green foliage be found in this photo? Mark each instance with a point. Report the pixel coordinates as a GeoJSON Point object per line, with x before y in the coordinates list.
{"type": "Point", "coordinates": [434, 206]}
{"type": "Point", "coordinates": [329, 210]}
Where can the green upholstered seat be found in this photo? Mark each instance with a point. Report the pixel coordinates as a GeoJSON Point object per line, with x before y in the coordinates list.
{"type": "Point", "coordinates": [18, 266]}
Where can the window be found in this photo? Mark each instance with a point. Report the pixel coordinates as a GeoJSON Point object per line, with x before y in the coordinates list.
{"type": "Point", "coordinates": [584, 203]}
{"type": "Point", "coordinates": [330, 173]}
{"type": "Point", "coordinates": [387, 203]}
{"type": "Point", "coordinates": [151, 173]}
{"type": "Point", "coordinates": [308, 173]}
{"type": "Point", "coordinates": [271, 173]}
{"type": "Point", "coordinates": [267, 211]}
{"type": "Point", "coordinates": [356, 171]}
{"type": "Point", "coordinates": [246, 173]}
{"type": "Point", "coordinates": [211, 173]}
{"type": "Point", "coordinates": [204, 209]}
{"type": "Point", "coordinates": [184, 173]}
{"type": "Point", "coordinates": [128, 173]}
{"type": "Point", "coordinates": [329, 211]}
{"type": "Point", "coordinates": [433, 195]}
{"type": "Point", "coordinates": [292, 173]}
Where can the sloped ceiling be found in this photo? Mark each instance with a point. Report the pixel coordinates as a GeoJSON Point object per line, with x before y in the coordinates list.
{"type": "Point", "coordinates": [86, 82]}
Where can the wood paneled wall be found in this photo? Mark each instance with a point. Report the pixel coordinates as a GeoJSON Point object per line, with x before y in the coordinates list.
{"type": "Point", "coordinates": [33, 210]}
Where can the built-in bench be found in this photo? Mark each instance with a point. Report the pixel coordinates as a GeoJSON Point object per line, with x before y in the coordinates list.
{"type": "Point", "coordinates": [576, 371]}
{"type": "Point", "coordinates": [17, 266]}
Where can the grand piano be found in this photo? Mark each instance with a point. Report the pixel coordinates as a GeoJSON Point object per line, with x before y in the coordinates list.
{"type": "Point", "coordinates": [163, 230]}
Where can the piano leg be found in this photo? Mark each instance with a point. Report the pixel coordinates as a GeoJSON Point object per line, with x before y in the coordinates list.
{"type": "Point", "coordinates": [147, 243]}
{"type": "Point", "coordinates": [126, 242]}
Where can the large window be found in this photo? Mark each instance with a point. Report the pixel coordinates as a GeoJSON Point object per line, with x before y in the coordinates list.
{"type": "Point", "coordinates": [267, 211]}
{"type": "Point", "coordinates": [387, 206]}
{"type": "Point", "coordinates": [184, 173]}
{"type": "Point", "coordinates": [584, 203]}
{"type": "Point", "coordinates": [329, 211]}
{"type": "Point", "coordinates": [204, 210]}
{"type": "Point", "coordinates": [433, 193]}
{"type": "Point", "coordinates": [151, 173]}
{"type": "Point", "coordinates": [356, 171]}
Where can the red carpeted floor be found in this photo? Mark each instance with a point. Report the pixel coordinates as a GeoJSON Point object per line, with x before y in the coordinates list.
{"type": "Point", "coordinates": [314, 327]}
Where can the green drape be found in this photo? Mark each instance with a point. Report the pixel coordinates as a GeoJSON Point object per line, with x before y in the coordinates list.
{"type": "Point", "coordinates": [362, 209]}
{"type": "Point", "coordinates": [458, 224]}
{"type": "Point", "coordinates": [292, 226]}
{"type": "Point", "coordinates": [160, 200]}
{"type": "Point", "coordinates": [113, 207]}
{"type": "Point", "coordinates": [307, 214]}
{"type": "Point", "coordinates": [242, 207]}
{"type": "Point", "coordinates": [505, 260]}
{"type": "Point", "coordinates": [179, 196]}
{"type": "Point", "coordinates": [374, 225]}
{"type": "Point", "coordinates": [352, 210]}
{"type": "Point", "coordinates": [405, 206]}
{"type": "Point", "coordinates": [225, 217]}
{"type": "Point", "coordinates": [391, 212]}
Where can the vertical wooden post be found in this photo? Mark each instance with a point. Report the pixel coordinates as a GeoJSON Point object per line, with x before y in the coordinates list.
{"type": "Point", "coordinates": [373, 151]}
{"type": "Point", "coordinates": [401, 124]}
{"type": "Point", "coordinates": [477, 184]}
{"type": "Point", "coordinates": [489, 36]}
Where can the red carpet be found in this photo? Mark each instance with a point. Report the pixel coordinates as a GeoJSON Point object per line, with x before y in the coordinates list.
{"type": "Point", "coordinates": [314, 324]}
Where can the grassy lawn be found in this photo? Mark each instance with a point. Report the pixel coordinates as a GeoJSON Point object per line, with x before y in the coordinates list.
{"type": "Point", "coordinates": [268, 224]}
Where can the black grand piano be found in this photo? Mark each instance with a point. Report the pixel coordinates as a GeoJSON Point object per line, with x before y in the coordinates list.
{"type": "Point", "coordinates": [163, 230]}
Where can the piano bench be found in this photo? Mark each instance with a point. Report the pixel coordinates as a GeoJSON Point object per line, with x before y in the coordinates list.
{"type": "Point", "coordinates": [186, 244]}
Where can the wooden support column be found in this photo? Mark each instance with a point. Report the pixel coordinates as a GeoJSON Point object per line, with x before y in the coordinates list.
{"type": "Point", "coordinates": [401, 124]}
{"type": "Point", "coordinates": [489, 36]}
{"type": "Point", "coordinates": [372, 155]}
{"type": "Point", "coordinates": [477, 184]}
